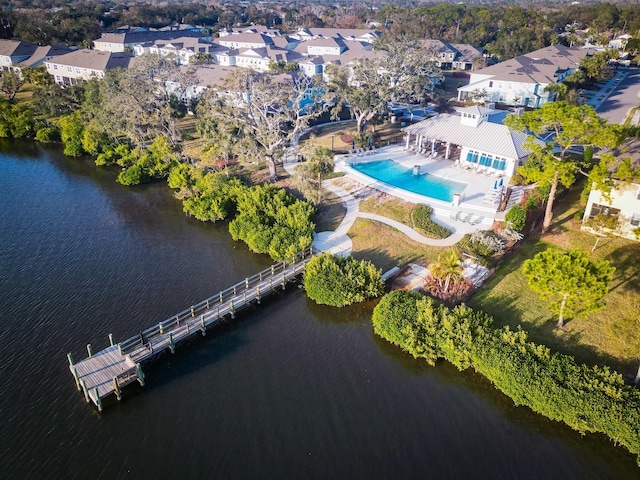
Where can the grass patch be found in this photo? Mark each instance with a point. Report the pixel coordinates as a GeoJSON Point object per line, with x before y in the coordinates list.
{"type": "Point", "coordinates": [610, 336]}
{"type": "Point", "coordinates": [389, 207]}
{"type": "Point", "coordinates": [387, 247]}
{"type": "Point", "coordinates": [330, 135]}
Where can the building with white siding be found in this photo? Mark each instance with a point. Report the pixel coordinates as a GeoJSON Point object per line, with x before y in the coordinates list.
{"type": "Point", "coordinates": [475, 139]}
{"type": "Point", "coordinates": [523, 80]}
{"type": "Point", "coordinates": [84, 64]}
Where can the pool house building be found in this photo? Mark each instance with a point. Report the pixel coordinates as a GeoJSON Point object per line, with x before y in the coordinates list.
{"type": "Point", "coordinates": [474, 138]}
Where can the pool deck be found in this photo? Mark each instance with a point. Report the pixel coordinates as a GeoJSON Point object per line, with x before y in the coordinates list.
{"type": "Point", "coordinates": [476, 205]}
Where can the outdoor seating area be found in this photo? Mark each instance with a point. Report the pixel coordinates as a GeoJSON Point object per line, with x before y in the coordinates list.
{"type": "Point", "coordinates": [361, 151]}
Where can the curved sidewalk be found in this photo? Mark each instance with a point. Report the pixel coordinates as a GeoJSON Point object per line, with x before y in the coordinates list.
{"type": "Point", "coordinates": [353, 211]}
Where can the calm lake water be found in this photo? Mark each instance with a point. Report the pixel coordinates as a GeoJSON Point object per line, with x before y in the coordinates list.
{"type": "Point", "coordinates": [287, 390]}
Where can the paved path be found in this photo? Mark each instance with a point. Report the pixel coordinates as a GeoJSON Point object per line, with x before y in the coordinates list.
{"type": "Point", "coordinates": [339, 242]}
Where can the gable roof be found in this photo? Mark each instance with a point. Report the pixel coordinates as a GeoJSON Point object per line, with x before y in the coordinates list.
{"type": "Point", "coordinates": [17, 48]}
{"type": "Point", "coordinates": [45, 52]}
{"type": "Point", "coordinates": [540, 66]}
{"type": "Point", "coordinates": [94, 59]}
{"type": "Point", "coordinates": [127, 38]}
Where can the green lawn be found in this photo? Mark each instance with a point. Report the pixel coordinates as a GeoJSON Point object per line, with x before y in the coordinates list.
{"type": "Point", "coordinates": [386, 247]}
{"type": "Point", "coordinates": [610, 336]}
{"type": "Point", "coordinates": [390, 207]}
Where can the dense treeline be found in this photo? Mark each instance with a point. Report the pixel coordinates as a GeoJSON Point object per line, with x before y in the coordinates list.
{"type": "Point", "coordinates": [588, 399]}
{"type": "Point", "coordinates": [503, 30]}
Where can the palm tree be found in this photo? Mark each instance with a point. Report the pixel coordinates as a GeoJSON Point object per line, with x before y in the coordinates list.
{"type": "Point", "coordinates": [447, 270]}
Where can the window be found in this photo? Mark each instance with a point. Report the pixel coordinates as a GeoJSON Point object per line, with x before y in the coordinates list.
{"type": "Point", "coordinates": [597, 209]}
{"type": "Point", "coordinates": [55, 67]}
{"type": "Point", "coordinates": [68, 69]}
{"type": "Point", "coordinates": [499, 163]}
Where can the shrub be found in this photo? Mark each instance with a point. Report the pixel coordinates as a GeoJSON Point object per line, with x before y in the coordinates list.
{"type": "Point", "coordinates": [47, 135]}
{"type": "Point", "coordinates": [588, 399]}
{"type": "Point", "coordinates": [393, 314]}
{"type": "Point", "coordinates": [339, 281]}
{"type": "Point", "coordinates": [488, 242]}
{"type": "Point", "coordinates": [516, 218]}
{"type": "Point", "coordinates": [272, 221]}
{"type": "Point", "coordinates": [421, 216]}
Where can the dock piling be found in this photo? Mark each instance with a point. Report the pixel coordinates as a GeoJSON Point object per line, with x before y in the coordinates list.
{"type": "Point", "coordinates": [111, 339]}
{"type": "Point", "coordinates": [98, 400]}
{"type": "Point", "coordinates": [116, 388]}
{"type": "Point", "coordinates": [89, 351]}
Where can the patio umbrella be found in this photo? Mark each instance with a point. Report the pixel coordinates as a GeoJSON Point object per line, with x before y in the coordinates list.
{"type": "Point", "coordinates": [353, 144]}
{"type": "Point", "coordinates": [495, 185]}
{"type": "Point", "coordinates": [433, 145]}
{"type": "Point", "coordinates": [500, 184]}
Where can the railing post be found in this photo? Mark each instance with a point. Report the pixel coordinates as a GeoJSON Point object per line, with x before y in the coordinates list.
{"type": "Point", "coordinates": [272, 272]}
{"type": "Point", "coordinates": [203, 327]}
{"type": "Point", "coordinates": [258, 293]}
{"type": "Point", "coordinates": [193, 312]}
{"type": "Point", "coordinates": [160, 328]}
{"type": "Point", "coordinates": [140, 374]}
{"type": "Point", "coordinates": [89, 350]}
{"type": "Point", "coordinates": [221, 297]}
{"type": "Point", "coordinates": [231, 309]}
{"type": "Point", "coordinates": [246, 283]}
{"type": "Point", "coordinates": [284, 280]}
{"type": "Point", "coordinates": [120, 349]}
{"type": "Point", "coordinates": [172, 346]}
{"type": "Point", "coordinates": [111, 339]}
{"type": "Point", "coordinates": [70, 359]}
{"type": "Point", "coordinates": [207, 304]}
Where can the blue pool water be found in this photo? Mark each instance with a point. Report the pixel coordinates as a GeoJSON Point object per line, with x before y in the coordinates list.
{"type": "Point", "coordinates": [394, 174]}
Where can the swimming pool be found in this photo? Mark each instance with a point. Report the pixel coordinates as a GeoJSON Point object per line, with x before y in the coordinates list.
{"type": "Point", "coordinates": [394, 174]}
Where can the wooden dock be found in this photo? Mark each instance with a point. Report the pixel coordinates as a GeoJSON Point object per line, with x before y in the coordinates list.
{"type": "Point", "coordinates": [107, 371]}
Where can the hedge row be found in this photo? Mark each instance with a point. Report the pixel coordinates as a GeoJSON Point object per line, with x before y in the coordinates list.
{"type": "Point", "coordinates": [588, 399]}
{"type": "Point", "coordinates": [421, 216]}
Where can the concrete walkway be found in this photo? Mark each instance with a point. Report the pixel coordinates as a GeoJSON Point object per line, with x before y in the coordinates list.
{"type": "Point", "coordinates": [338, 242]}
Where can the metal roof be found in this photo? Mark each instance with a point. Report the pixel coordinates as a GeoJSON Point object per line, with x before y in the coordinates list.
{"type": "Point", "coordinates": [486, 137]}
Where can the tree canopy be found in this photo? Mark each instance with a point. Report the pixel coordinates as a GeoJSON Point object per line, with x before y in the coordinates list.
{"type": "Point", "coordinates": [367, 85]}
{"type": "Point", "coordinates": [338, 281]}
{"type": "Point", "coordinates": [568, 281]}
{"type": "Point", "coordinates": [272, 221]}
{"type": "Point", "coordinates": [563, 126]}
{"type": "Point", "coordinates": [266, 111]}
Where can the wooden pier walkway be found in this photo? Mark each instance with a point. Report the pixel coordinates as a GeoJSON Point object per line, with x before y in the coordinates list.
{"type": "Point", "coordinates": [107, 371]}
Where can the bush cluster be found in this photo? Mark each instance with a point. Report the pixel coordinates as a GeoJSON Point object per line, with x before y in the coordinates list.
{"type": "Point", "coordinates": [421, 216]}
{"type": "Point", "coordinates": [487, 242]}
{"type": "Point", "coordinates": [339, 281]}
{"type": "Point", "coordinates": [272, 221]}
{"type": "Point", "coordinates": [516, 218]}
{"type": "Point", "coordinates": [267, 218]}
{"type": "Point", "coordinates": [588, 399]}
